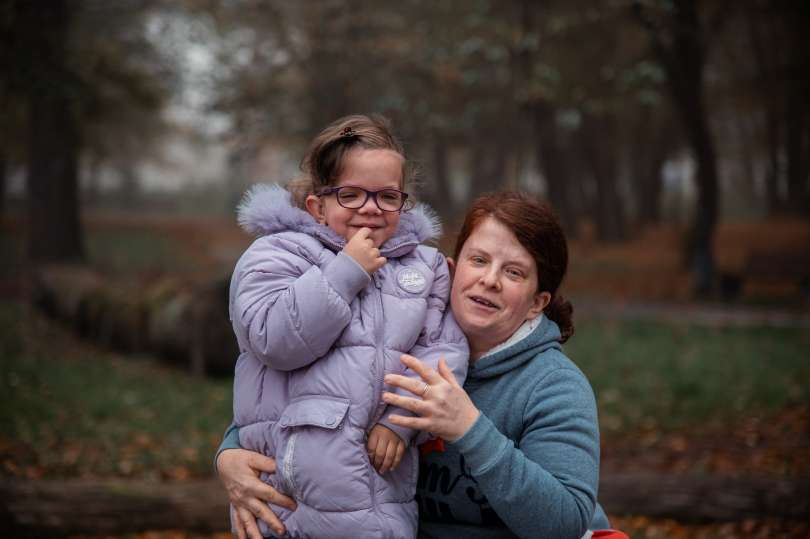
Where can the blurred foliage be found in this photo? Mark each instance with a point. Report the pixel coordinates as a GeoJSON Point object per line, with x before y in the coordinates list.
{"type": "Point", "coordinates": [572, 100]}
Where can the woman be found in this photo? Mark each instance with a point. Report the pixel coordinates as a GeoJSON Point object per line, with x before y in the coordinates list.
{"type": "Point", "coordinates": [522, 458]}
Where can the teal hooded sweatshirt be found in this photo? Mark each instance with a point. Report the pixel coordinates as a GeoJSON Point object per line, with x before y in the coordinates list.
{"type": "Point", "coordinates": [529, 466]}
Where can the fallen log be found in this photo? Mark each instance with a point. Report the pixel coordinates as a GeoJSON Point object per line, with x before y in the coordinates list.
{"type": "Point", "coordinates": [60, 508]}
{"type": "Point", "coordinates": [183, 323]}
{"type": "Point", "coordinates": [705, 498]}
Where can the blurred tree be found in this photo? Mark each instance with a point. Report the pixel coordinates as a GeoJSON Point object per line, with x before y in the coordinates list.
{"type": "Point", "coordinates": [12, 146]}
{"type": "Point", "coordinates": [680, 40]}
{"type": "Point", "coordinates": [778, 45]}
{"type": "Point", "coordinates": [537, 85]}
{"type": "Point", "coordinates": [37, 69]}
{"type": "Point", "coordinates": [3, 181]}
{"type": "Point", "coordinates": [483, 90]}
{"type": "Point", "coordinates": [73, 65]}
{"type": "Point", "coordinates": [652, 139]}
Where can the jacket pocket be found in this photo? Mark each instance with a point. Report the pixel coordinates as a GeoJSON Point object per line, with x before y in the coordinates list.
{"type": "Point", "coordinates": [322, 459]}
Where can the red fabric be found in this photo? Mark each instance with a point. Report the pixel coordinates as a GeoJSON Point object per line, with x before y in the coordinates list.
{"type": "Point", "coordinates": [609, 534]}
{"type": "Point", "coordinates": [430, 446]}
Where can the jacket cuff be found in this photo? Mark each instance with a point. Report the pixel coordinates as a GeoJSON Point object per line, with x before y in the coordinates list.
{"type": "Point", "coordinates": [405, 433]}
{"type": "Point", "coordinates": [229, 441]}
{"type": "Point", "coordinates": [346, 276]}
{"type": "Point", "coordinates": [482, 445]}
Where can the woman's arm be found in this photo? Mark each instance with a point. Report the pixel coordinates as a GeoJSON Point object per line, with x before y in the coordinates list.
{"type": "Point", "coordinates": [239, 470]}
{"type": "Point", "coordinates": [288, 311]}
{"type": "Point", "coordinates": [546, 485]}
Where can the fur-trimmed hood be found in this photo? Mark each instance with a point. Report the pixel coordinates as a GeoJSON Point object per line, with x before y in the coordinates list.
{"type": "Point", "coordinates": [268, 209]}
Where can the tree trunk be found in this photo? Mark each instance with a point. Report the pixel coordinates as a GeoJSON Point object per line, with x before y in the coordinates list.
{"type": "Point", "coordinates": [55, 230]}
{"type": "Point", "coordinates": [488, 166]}
{"type": "Point", "coordinates": [92, 185]}
{"type": "Point", "coordinates": [649, 211]}
{"type": "Point", "coordinates": [552, 162]}
{"type": "Point", "coordinates": [772, 176]}
{"type": "Point", "coordinates": [702, 235]}
{"type": "Point", "coordinates": [130, 186]}
{"type": "Point", "coordinates": [598, 135]}
{"type": "Point", "coordinates": [3, 180]}
{"type": "Point", "coordinates": [794, 132]}
{"type": "Point", "coordinates": [771, 104]}
{"type": "Point", "coordinates": [683, 56]}
{"type": "Point", "coordinates": [797, 112]}
{"type": "Point", "coordinates": [440, 195]}
{"type": "Point", "coordinates": [53, 199]}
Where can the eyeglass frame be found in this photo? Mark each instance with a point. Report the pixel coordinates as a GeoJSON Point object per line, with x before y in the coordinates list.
{"type": "Point", "coordinates": [372, 194]}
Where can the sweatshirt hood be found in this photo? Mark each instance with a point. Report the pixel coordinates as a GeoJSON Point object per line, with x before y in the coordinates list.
{"type": "Point", "coordinates": [545, 336]}
{"type": "Point", "coordinates": [268, 209]}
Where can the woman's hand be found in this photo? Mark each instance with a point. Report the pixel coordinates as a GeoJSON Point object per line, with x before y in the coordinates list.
{"type": "Point", "coordinates": [239, 470]}
{"type": "Point", "coordinates": [444, 407]}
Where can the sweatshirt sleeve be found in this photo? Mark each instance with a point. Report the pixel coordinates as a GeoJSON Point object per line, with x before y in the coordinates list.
{"type": "Point", "coordinates": [440, 338]}
{"type": "Point", "coordinates": [287, 310]}
{"type": "Point", "coordinates": [545, 486]}
{"type": "Point", "coordinates": [230, 440]}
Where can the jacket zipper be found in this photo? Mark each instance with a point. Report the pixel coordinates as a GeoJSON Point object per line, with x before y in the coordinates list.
{"type": "Point", "coordinates": [378, 378]}
{"type": "Point", "coordinates": [288, 464]}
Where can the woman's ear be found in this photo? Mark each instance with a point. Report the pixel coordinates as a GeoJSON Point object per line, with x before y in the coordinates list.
{"type": "Point", "coordinates": [451, 264]}
{"type": "Point", "coordinates": [541, 301]}
{"type": "Point", "coordinates": [314, 206]}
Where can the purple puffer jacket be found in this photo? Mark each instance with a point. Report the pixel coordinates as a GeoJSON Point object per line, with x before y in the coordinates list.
{"type": "Point", "coordinates": [316, 335]}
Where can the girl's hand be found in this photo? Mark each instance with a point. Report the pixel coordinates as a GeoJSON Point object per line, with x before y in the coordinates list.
{"type": "Point", "coordinates": [239, 470]}
{"type": "Point", "coordinates": [362, 249]}
{"type": "Point", "coordinates": [385, 448]}
{"type": "Point", "coordinates": [444, 407]}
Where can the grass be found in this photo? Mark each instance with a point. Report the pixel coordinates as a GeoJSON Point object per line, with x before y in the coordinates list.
{"type": "Point", "coordinates": [68, 410]}
{"type": "Point", "coordinates": [652, 374]}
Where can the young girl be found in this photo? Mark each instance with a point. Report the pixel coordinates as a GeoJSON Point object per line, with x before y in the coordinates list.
{"type": "Point", "coordinates": [323, 304]}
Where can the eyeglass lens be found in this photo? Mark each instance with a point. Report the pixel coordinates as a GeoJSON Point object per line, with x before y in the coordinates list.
{"type": "Point", "coordinates": [355, 197]}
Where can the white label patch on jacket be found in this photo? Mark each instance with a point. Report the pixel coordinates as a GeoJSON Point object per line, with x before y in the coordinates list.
{"type": "Point", "coordinates": [411, 280]}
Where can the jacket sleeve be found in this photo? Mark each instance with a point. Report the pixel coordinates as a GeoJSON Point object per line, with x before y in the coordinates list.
{"type": "Point", "coordinates": [546, 485]}
{"type": "Point", "coordinates": [288, 311]}
{"type": "Point", "coordinates": [440, 338]}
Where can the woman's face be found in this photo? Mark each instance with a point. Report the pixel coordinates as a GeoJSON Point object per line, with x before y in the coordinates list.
{"type": "Point", "coordinates": [494, 286]}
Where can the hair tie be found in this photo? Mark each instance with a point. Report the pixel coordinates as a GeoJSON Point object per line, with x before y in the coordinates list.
{"type": "Point", "coordinates": [348, 132]}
